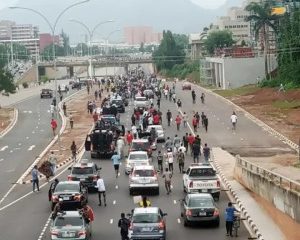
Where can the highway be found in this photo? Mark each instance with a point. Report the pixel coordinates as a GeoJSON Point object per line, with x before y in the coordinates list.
{"type": "Point", "coordinates": [32, 211]}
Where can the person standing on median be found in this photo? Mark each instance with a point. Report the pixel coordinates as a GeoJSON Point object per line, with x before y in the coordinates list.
{"type": "Point", "coordinates": [206, 152]}
{"type": "Point", "coordinates": [71, 119]}
{"type": "Point", "coordinates": [53, 126]}
{"type": "Point", "coordinates": [35, 178]}
{"type": "Point", "coordinates": [53, 161]}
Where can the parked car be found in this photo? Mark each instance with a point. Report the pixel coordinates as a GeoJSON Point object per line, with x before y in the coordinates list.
{"type": "Point", "coordinates": [141, 102]}
{"type": "Point", "coordinates": [186, 86]}
{"type": "Point", "coordinates": [143, 178]}
{"type": "Point", "coordinates": [46, 93]}
{"type": "Point", "coordinates": [141, 145]}
{"type": "Point", "coordinates": [119, 104]}
{"type": "Point", "coordinates": [85, 172]}
{"type": "Point", "coordinates": [199, 207]}
{"type": "Point", "coordinates": [70, 225]}
{"type": "Point", "coordinates": [136, 158]}
{"type": "Point", "coordinates": [147, 223]}
{"type": "Point", "coordinates": [160, 132]}
{"type": "Point", "coordinates": [73, 194]}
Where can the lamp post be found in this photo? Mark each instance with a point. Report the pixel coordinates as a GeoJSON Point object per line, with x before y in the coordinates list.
{"type": "Point", "coordinates": [91, 35]}
{"type": "Point", "coordinates": [52, 27]}
{"type": "Point", "coordinates": [106, 45]}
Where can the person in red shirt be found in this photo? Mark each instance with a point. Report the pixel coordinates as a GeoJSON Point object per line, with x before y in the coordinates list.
{"type": "Point", "coordinates": [194, 123]}
{"type": "Point", "coordinates": [178, 122]}
{"type": "Point", "coordinates": [53, 126]}
{"type": "Point", "coordinates": [129, 137]}
{"type": "Point", "coordinates": [191, 140]}
{"type": "Point", "coordinates": [95, 116]}
{"type": "Point", "coordinates": [156, 119]}
{"type": "Point", "coordinates": [88, 213]}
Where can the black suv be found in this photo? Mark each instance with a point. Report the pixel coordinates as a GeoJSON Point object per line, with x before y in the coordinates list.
{"type": "Point", "coordinates": [85, 172]}
{"type": "Point", "coordinates": [46, 93]}
{"type": "Point", "coordinates": [119, 103]}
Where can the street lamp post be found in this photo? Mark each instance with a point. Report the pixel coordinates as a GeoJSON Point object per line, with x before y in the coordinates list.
{"type": "Point", "coordinates": [91, 35]}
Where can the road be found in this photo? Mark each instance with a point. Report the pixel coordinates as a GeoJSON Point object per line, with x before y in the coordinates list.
{"type": "Point", "coordinates": [28, 138]}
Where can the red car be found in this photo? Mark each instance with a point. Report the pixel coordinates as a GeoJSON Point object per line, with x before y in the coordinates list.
{"type": "Point", "coordinates": [186, 86]}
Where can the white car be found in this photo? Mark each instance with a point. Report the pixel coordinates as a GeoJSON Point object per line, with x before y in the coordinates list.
{"type": "Point", "coordinates": [141, 102]}
{"type": "Point", "coordinates": [136, 158]}
{"type": "Point", "coordinates": [143, 177]}
{"type": "Point", "coordinates": [160, 132]}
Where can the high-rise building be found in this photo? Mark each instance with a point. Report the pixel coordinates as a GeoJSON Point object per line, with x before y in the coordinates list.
{"type": "Point", "coordinates": [46, 40]}
{"type": "Point", "coordinates": [141, 34]}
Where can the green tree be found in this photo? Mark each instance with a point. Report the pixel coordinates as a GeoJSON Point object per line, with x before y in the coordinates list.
{"type": "Point", "coordinates": [261, 16]}
{"type": "Point", "coordinates": [6, 81]}
{"type": "Point", "coordinates": [168, 53]}
{"type": "Point", "coordinates": [66, 40]}
{"type": "Point", "coordinates": [181, 40]}
{"type": "Point", "coordinates": [218, 39]}
{"type": "Point", "coordinates": [47, 54]}
{"type": "Point", "coordinates": [142, 47]}
{"type": "Point", "coordinates": [82, 49]}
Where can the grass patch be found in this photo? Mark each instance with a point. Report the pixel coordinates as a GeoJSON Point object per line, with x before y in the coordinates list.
{"type": "Point", "coordinates": [283, 104]}
{"type": "Point", "coordinates": [248, 89]}
{"type": "Point", "coordinates": [297, 165]}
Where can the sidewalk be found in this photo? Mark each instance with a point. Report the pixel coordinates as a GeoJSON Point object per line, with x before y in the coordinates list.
{"type": "Point", "coordinates": [261, 218]}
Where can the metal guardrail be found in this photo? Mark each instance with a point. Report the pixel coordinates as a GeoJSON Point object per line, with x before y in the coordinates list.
{"type": "Point", "coordinates": [277, 179]}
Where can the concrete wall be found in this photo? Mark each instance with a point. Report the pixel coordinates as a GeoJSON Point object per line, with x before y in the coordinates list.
{"type": "Point", "coordinates": [60, 73]}
{"type": "Point", "coordinates": [284, 199]}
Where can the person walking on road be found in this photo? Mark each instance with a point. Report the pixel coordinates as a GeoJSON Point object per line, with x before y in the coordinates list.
{"type": "Point", "coordinates": [191, 140]}
{"type": "Point", "coordinates": [230, 210]}
{"type": "Point", "coordinates": [169, 117]}
{"type": "Point", "coordinates": [35, 178]}
{"type": "Point", "coordinates": [205, 123]}
{"type": "Point", "coordinates": [180, 160]}
{"type": "Point", "coordinates": [206, 152]}
{"type": "Point", "coordinates": [184, 119]}
{"type": "Point", "coordinates": [170, 159]}
{"type": "Point", "coordinates": [101, 191]}
{"type": "Point", "coordinates": [194, 96]}
{"type": "Point", "coordinates": [129, 138]}
{"type": "Point", "coordinates": [196, 152]}
{"type": "Point", "coordinates": [116, 162]}
{"type": "Point", "coordinates": [65, 109]}
{"type": "Point", "coordinates": [168, 177]}
{"type": "Point", "coordinates": [202, 98]}
{"type": "Point", "coordinates": [124, 224]}
{"type": "Point", "coordinates": [194, 123]}
{"type": "Point", "coordinates": [160, 158]}
{"type": "Point", "coordinates": [178, 122]}
{"type": "Point", "coordinates": [185, 141]}
{"type": "Point", "coordinates": [233, 119]}
{"type": "Point", "coordinates": [73, 151]}
{"type": "Point", "coordinates": [71, 120]}
{"type": "Point", "coordinates": [53, 126]}
{"type": "Point", "coordinates": [158, 103]}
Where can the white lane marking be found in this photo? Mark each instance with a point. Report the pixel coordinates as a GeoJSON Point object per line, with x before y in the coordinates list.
{"type": "Point", "coordinates": [171, 186]}
{"type": "Point", "coordinates": [242, 139]}
{"type": "Point", "coordinates": [42, 130]}
{"type": "Point", "coordinates": [1, 160]}
{"type": "Point", "coordinates": [29, 111]}
{"type": "Point", "coordinates": [20, 144]}
{"type": "Point", "coordinates": [119, 173]}
{"type": "Point", "coordinates": [33, 132]}
{"type": "Point", "coordinates": [117, 186]}
{"type": "Point", "coordinates": [17, 148]}
{"type": "Point", "coordinates": [178, 220]}
{"type": "Point", "coordinates": [24, 111]}
{"type": "Point", "coordinates": [3, 148]}
{"type": "Point", "coordinates": [218, 119]}
{"type": "Point", "coordinates": [37, 126]}
{"type": "Point", "coordinates": [175, 202]}
{"type": "Point", "coordinates": [114, 202]}
{"type": "Point", "coordinates": [31, 147]}
{"type": "Point", "coordinates": [45, 227]}
{"type": "Point", "coordinates": [228, 128]}
{"type": "Point", "coordinates": [29, 193]}
{"type": "Point", "coordinates": [27, 137]}
{"type": "Point", "coordinates": [111, 221]}
{"type": "Point", "coordinates": [11, 151]}
{"type": "Point", "coordinates": [10, 170]}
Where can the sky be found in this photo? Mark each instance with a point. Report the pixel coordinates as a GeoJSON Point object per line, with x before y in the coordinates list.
{"type": "Point", "coordinates": [7, 3]}
{"type": "Point", "coordinates": [209, 4]}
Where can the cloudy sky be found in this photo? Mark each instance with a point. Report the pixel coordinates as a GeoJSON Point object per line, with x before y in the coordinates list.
{"type": "Point", "coordinates": [209, 4]}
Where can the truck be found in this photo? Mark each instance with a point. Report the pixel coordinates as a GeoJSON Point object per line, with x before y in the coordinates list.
{"type": "Point", "coordinates": [202, 178]}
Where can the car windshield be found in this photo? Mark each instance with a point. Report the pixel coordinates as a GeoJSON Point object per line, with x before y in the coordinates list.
{"type": "Point", "coordinates": [68, 221]}
{"type": "Point", "coordinates": [146, 218]}
{"type": "Point", "coordinates": [117, 102]}
{"type": "Point", "coordinates": [140, 99]}
{"type": "Point", "coordinates": [202, 172]}
{"type": "Point", "coordinates": [82, 171]}
{"type": "Point", "coordinates": [201, 202]}
{"type": "Point", "coordinates": [158, 128]}
{"type": "Point", "coordinates": [67, 187]}
{"type": "Point", "coordinates": [140, 145]}
{"type": "Point", "coordinates": [138, 156]}
{"type": "Point", "coordinates": [143, 173]}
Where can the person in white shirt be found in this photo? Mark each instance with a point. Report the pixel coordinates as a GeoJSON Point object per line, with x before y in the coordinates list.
{"type": "Point", "coordinates": [170, 159]}
{"type": "Point", "coordinates": [101, 190]}
{"type": "Point", "coordinates": [150, 120]}
{"type": "Point", "coordinates": [233, 119]}
{"type": "Point", "coordinates": [184, 119]}
{"type": "Point", "coordinates": [120, 146]}
{"type": "Point", "coordinates": [182, 148]}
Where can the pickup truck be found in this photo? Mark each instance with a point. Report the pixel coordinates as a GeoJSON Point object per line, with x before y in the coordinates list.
{"type": "Point", "coordinates": [201, 178]}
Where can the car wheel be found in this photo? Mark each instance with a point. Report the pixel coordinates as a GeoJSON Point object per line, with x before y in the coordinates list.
{"type": "Point", "coordinates": [130, 192]}
{"type": "Point", "coordinates": [186, 223]}
{"type": "Point", "coordinates": [217, 223]}
{"type": "Point", "coordinates": [157, 191]}
{"type": "Point", "coordinates": [181, 214]}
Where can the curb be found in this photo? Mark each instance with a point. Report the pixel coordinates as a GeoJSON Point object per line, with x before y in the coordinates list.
{"type": "Point", "coordinates": [26, 173]}
{"type": "Point", "coordinates": [260, 123]}
{"type": "Point", "coordinates": [238, 201]}
{"type": "Point", "coordinates": [11, 125]}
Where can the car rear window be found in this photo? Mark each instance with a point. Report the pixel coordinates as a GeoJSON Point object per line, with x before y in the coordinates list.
{"type": "Point", "coordinates": [201, 202]}
{"type": "Point", "coordinates": [143, 173]}
{"type": "Point", "coordinates": [82, 171]}
{"type": "Point", "coordinates": [202, 172]}
{"type": "Point", "coordinates": [146, 218]}
{"type": "Point", "coordinates": [138, 157]}
{"type": "Point", "coordinates": [68, 221]}
{"type": "Point", "coordinates": [67, 187]}
{"type": "Point", "coordinates": [140, 145]}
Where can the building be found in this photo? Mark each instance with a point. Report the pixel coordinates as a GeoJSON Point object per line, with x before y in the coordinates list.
{"type": "Point", "coordinates": [141, 34]}
{"type": "Point", "coordinates": [196, 41]}
{"type": "Point", "coordinates": [46, 40]}
{"type": "Point", "coordinates": [24, 34]}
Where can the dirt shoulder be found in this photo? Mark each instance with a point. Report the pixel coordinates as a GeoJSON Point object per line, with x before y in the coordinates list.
{"type": "Point", "coordinates": [279, 110]}
{"type": "Point", "coordinates": [6, 117]}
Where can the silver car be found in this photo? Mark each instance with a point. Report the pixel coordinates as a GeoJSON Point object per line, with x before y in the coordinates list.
{"type": "Point", "coordinates": [143, 178]}
{"type": "Point", "coordinates": [160, 132]}
{"type": "Point", "coordinates": [136, 158]}
{"type": "Point", "coordinates": [70, 225]}
{"type": "Point", "coordinates": [141, 102]}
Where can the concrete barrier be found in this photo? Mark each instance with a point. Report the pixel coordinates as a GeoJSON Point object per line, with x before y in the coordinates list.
{"type": "Point", "coordinates": [282, 192]}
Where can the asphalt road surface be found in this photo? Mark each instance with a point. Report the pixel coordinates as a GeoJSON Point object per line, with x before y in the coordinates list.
{"type": "Point", "coordinates": [31, 212]}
